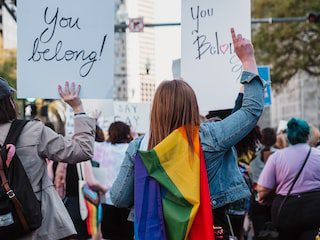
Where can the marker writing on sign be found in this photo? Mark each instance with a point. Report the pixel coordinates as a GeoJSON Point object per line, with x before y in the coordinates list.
{"type": "Point", "coordinates": [213, 48]}
{"type": "Point", "coordinates": [208, 45]}
{"type": "Point", "coordinates": [42, 50]}
{"type": "Point", "coordinates": [63, 22]}
{"type": "Point", "coordinates": [200, 13]}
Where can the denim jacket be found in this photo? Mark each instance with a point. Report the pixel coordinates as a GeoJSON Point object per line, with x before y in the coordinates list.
{"type": "Point", "coordinates": [217, 140]}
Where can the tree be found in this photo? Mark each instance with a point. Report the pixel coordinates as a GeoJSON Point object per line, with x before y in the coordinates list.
{"type": "Point", "coordinates": [8, 64]}
{"type": "Point", "coordinates": [287, 47]}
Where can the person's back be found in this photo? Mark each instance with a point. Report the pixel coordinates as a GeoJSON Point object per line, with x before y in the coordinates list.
{"type": "Point", "coordinates": [294, 168]}
{"type": "Point", "coordinates": [110, 155]}
{"type": "Point", "coordinates": [175, 106]}
{"type": "Point", "coordinates": [268, 139]}
{"type": "Point", "coordinates": [35, 144]}
{"type": "Point", "coordinates": [285, 164]}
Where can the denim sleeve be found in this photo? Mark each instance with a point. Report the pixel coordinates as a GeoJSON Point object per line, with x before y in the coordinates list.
{"type": "Point", "coordinates": [222, 135]}
{"type": "Point", "coordinates": [121, 191]}
{"type": "Point", "coordinates": [238, 103]}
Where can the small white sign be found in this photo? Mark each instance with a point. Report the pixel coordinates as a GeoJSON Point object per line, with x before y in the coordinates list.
{"type": "Point", "coordinates": [65, 40]}
{"type": "Point", "coordinates": [103, 107]}
{"type": "Point", "coordinates": [209, 62]}
{"type": "Point", "coordinates": [136, 115]}
{"type": "Point", "coordinates": [282, 126]}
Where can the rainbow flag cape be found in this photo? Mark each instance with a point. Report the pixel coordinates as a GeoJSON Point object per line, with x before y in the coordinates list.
{"type": "Point", "coordinates": [171, 193]}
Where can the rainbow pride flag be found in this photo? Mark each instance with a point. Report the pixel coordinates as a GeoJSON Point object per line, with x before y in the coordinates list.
{"type": "Point", "coordinates": [171, 193]}
{"type": "Point", "coordinates": [94, 217]}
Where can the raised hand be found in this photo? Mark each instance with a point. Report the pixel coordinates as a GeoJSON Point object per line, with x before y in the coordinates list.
{"type": "Point", "coordinates": [245, 52]}
{"type": "Point", "coordinates": [71, 96]}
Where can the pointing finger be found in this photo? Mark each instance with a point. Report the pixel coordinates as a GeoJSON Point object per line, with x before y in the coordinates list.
{"type": "Point", "coordinates": [233, 34]}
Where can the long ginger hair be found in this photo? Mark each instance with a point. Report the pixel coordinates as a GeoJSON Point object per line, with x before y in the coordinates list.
{"type": "Point", "coordinates": [174, 105]}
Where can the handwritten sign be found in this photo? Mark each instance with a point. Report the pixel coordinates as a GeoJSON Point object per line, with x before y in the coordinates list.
{"type": "Point", "coordinates": [105, 107]}
{"type": "Point", "coordinates": [65, 40]}
{"type": "Point", "coordinates": [209, 62]}
{"type": "Point", "coordinates": [136, 115]}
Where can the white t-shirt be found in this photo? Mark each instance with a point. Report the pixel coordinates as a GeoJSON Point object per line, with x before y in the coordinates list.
{"type": "Point", "coordinates": [110, 157]}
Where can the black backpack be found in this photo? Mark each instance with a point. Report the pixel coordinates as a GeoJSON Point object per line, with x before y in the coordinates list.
{"type": "Point", "coordinates": [20, 210]}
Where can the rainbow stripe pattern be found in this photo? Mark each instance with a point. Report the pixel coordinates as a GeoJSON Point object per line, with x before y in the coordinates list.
{"type": "Point", "coordinates": [94, 217]}
{"type": "Point", "coordinates": [172, 199]}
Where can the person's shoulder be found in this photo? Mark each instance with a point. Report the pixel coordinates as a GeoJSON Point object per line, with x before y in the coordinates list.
{"type": "Point", "coordinates": [207, 130]}
{"type": "Point", "coordinates": [34, 126]}
{"type": "Point", "coordinates": [277, 153]}
{"type": "Point", "coordinates": [134, 146]}
{"type": "Point", "coordinates": [136, 142]}
{"type": "Point", "coordinates": [31, 133]}
{"type": "Point", "coordinates": [208, 124]}
{"type": "Point", "coordinates": [316, 151]}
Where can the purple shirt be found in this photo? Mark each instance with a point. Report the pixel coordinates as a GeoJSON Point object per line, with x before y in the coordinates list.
{"type": "Point", "coordinates": [283, 166]}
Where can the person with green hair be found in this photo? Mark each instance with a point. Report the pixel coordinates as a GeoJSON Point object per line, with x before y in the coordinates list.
{"type": "Point", "coordinates": [298, 131]}
{"type": "Point", "coordinates": [299, 217]}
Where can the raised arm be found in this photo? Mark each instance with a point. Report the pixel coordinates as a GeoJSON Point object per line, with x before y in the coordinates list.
{"type": "Point", "coordinates": [226, 133]}
{"type": "Point", "coordinates": [245, 52]}
{"type": "Point", "coordinates": [80, 148]}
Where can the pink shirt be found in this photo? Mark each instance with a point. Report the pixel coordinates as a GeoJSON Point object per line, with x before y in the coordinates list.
{"type": "Point", "coordinates": [282, 167]}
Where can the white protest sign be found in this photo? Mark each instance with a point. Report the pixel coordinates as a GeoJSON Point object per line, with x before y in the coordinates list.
{"type": "Point", "coordinates": [209, 63]}
{"type": "Point", "coordinates": [103, 106]}
{"type": "Point", "coordinates": [65, 40]}
{"type": "Point", "coordinates": [136, 115]}
{"type": "Point", "coordinates": [176, 69]}
{"type": "Point", "coordinates": [282, 126]}
{"type": "Point", "coordinates": [69, 125]}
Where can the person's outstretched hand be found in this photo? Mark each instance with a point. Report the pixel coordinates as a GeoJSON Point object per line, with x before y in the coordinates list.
{"type": "Point", "coordinates": [71, 96]}
{"type": "Point", "coordinates": [245, 52]}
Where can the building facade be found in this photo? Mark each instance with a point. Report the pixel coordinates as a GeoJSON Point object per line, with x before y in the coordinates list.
{"type": "Point", "coordinates": [299, 98]}
{"type": "Point", "coordinates": [141, 63]}
{"type": "Point", "coordinates": [120, 90]}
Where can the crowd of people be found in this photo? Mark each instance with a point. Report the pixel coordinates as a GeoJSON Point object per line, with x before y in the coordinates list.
{"type": "Point", "coordinates": [257, 182]}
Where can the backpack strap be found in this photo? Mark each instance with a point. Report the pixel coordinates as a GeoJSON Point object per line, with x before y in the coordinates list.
{"type": "Point", "coordinates": [12, 196]}
{"type": "Point", "coordinates": [12, 138]}
{"type": "Point", "coordinates": [15, 131]}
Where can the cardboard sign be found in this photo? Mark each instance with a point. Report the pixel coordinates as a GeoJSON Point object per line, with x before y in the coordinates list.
{"type": "Point", "coordinates": [209, 63]}
{"type": "Point", "coordinates": [65, 40]}
{"type": "Point", "coordinates": [264, 73]}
